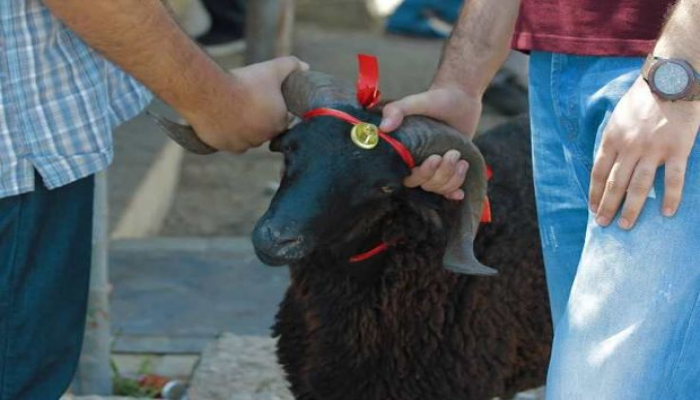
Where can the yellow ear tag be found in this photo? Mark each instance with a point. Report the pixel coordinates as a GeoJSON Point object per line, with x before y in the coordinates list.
{"type": "Point", "coordinates": [365, 136]}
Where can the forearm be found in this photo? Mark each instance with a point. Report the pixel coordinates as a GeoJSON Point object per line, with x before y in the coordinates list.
{"type": "Point", "coordinates": [479, 44]}
{"type": "Point", "coordinates": [681, 35]}
{"type": "Point", "coordinates": [142, 38]}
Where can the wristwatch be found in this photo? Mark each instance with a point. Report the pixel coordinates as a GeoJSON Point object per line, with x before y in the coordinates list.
{"type": "Point", "coordinates": [672, 78]}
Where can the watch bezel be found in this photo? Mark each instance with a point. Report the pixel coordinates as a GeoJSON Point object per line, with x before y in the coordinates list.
{"type": "Point", "coordinates": [690, 72]}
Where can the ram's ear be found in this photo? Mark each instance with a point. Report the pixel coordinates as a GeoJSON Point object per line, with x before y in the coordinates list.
{"type": "Point", "coordinates": [422, 200]}
{"type": "Point", "coordinates": [432, 209]}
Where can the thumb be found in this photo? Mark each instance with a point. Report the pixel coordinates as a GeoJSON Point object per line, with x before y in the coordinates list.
{"type": "Point", "coordinates": [285, 66]}
{"type": "Point", "coordinates": [394, 113]}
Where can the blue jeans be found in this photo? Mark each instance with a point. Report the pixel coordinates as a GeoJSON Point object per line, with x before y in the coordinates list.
{"type": "Point", "coordinates": [45, 244]}
{"type": "Point", "coordinates": [625, 305]}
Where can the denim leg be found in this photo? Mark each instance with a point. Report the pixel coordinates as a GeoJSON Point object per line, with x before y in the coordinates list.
{"type": "Point", "coordinates": [631, 327]}
{"type": "Point", "coordinates": [561, 205]}
{"type": "Point", "coordinates": [45, 240]}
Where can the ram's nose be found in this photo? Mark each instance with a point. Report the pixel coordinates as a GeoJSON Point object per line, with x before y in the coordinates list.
{"type": "Point", "coordinates": [279, 245]}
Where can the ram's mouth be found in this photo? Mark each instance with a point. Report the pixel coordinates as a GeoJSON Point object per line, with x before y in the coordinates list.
{"type": "Point", "coordinates": [281, 253]}
{"type": "Point", "coordinates": [279, 246]}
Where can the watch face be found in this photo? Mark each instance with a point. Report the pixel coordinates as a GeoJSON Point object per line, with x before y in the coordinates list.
{"type": "Point", "coordinates": [671, 79]}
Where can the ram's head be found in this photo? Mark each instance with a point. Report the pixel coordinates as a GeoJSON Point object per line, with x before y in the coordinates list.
{"type": "Point", "coordinates": [331, 187]}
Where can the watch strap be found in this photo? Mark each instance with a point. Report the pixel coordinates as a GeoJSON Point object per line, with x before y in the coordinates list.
{"type": "Point", "coordinates": [646, 68]}
{"type": "Point", "coordinates": [693, 95]}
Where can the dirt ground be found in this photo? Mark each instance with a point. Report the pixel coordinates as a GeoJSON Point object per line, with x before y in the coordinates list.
{"type": "Point", "coordinates": [223, 195]}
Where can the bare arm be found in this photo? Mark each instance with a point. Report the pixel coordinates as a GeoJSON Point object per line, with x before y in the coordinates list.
{"type": "Point", "coordinates": [680, 35]}
{"type": "Point", "coordinates": [479, 45]}
{"type": "Point", "coordinates": [227, 110]}
{"type": "Point", "coordinates": [645, 132]}
{"type": "Point", "coordinates": [472, 56]}
{"type": "Point", "coordinates": [477, 48]}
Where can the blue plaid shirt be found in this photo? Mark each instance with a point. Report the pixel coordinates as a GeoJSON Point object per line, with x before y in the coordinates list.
{"type": "Point", "coordinates": [59, 101]}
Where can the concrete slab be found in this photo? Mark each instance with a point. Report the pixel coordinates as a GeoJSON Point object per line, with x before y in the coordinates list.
{"type": "Point", "coordinates": [151, 200]}
{"type": "Point", "coordinates": [137, 145]}
{"type": "Point", "coordinates": [239, 368]}
{"type": "Point", "coordinates": [173, 296]}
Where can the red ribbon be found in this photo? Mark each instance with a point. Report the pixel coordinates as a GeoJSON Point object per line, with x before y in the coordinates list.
{"type": "Point", "coordinates": [367, 255]}
{"type": "Point", "coordinates": [368, 93]}
{"type": "Point", "coordinates": [402, 151]}
{"type": "Point", "coordinates": [486, 216]}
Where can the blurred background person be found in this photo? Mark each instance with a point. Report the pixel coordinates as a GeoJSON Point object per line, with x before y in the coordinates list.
{"type": "Point", "coordinates": [425, 18]}
{"type": "Point", "coordinates": [227, 28]}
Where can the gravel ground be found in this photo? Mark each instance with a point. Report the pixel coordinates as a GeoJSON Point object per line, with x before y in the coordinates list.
{"type": "Point", "coordinates": [239, 368]}
{"type": "Point", "coordinates": [236, 367]}
{"type": "Point", "coordinates": [222, 195]}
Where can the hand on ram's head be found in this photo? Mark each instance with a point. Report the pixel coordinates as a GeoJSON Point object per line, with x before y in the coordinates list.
{"type": "Point", "coordinates": [454, 107]}
{"type": "Point", "coordinates": [443, 175]}
{"type": "Point", "coordinates": [255, 111]}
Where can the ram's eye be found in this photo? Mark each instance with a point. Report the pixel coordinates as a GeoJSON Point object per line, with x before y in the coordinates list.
{"type": "Point", "coordinates": [282, 144]}
{"type": "Point", "coordinates": [387, 189]}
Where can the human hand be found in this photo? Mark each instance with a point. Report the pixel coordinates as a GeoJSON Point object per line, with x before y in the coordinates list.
{"type": "Point", "coordinates": [255, 110]}
{"type": "Point", "coordinates": [443, 175]}
{"type": "Point", "coordinates": [439, 174]}
{"type": "Point", "coordinates": [448, 104]}
{"type": "Point", "coordinates": [643, 133]}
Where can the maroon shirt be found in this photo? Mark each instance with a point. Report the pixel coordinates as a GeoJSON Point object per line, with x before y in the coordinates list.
{"type": "Point", "coordinates": [590, 27]}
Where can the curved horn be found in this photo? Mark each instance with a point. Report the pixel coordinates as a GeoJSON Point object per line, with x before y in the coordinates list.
{"type": "Point", "coordinates": [304, 91]}
{"type": "Point", "coordinates": [183, 135]}
{"type": "Point", "coordinates": [425, 137]}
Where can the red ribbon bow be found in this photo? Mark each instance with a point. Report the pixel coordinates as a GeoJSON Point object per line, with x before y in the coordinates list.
{"type": "Point", "coordinates": [368, 93]}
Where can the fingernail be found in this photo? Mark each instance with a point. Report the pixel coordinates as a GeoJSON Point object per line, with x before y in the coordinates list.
{"type": "Point", "coordinates": [624, 223]}
{"type": "Point", "coordinates": [594, 208]}
{"type": "Point", "coordinates": [453, 156]}
{"type": "Point", "coordinates": [462, 168]}
{"type": "Point", "coordinates": [434, 160]}
{"type": "Point", "coordinates": [304, 66]}
{"type": "Point", "coordinates": [602, 220]}
{"type": "Point", "coordinates": [386, 124]}
{"type": "Point", "coordinates": [669, 212]}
